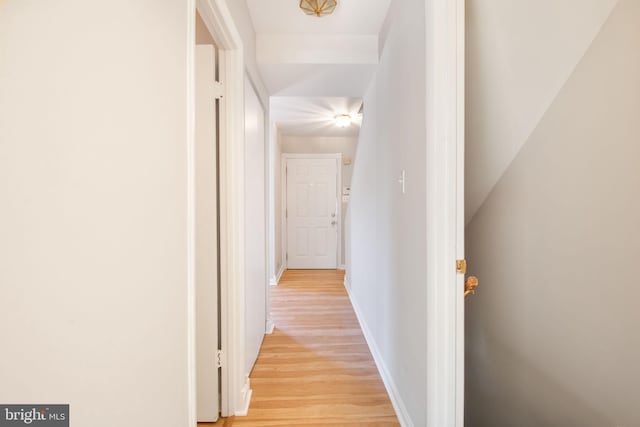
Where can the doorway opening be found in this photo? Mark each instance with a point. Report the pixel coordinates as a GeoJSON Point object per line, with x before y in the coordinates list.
{"type": "Point", "coordinates": [309, 230]}
{"type": "Point", "coordinates": [225, 344]}
{"type": "Point", "coordinates": [311, 225]}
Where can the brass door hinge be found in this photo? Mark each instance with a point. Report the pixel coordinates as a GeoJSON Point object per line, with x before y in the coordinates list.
{"type": "Point", "coordinates": [461, 266]}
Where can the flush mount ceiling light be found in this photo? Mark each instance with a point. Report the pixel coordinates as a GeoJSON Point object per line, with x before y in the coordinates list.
{"type": "Point", "coordinates": [318, 7]}
{"type": "Point", "coordinates": [343, 120]}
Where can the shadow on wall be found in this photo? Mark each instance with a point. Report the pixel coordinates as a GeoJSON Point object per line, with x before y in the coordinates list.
{"type": "Point", "coordinates": [530, 398]}
{"type": "Point", "coordinates": [550, 338]}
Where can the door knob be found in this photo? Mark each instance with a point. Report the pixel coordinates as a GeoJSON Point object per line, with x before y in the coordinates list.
{"type": "Point", "coordinates": [470, 285]}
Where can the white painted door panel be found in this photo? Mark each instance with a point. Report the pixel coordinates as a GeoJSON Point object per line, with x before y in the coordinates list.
{"type": "Point", "coordinates": [206, 237]}
{"type": "Point", "coordinates": [255, 226]}
{"type": "Point", "coordinates": [312, 217]}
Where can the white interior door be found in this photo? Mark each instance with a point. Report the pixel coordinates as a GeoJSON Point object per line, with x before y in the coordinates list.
{"type": "Point", "coordinates": [206, 236]}
{"type": "Point", "coordinates": [255, 226]}
{"type": "Point", "coordinates": [312, 213]}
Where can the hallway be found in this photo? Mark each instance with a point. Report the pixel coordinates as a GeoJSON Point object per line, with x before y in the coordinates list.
{"type": "Point", "coordinates": [316, 368]}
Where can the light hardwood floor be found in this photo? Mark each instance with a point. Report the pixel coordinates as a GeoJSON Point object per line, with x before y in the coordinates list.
{"type": "Point", "coordinates": [316, 368]}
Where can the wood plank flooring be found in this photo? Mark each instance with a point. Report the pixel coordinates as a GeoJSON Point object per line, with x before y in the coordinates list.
{"type": "Point", "coordinates": [316, 368]}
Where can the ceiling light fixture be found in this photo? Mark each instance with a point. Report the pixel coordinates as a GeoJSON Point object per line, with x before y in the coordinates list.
{"type": "Point", "coordinates": [343, 120]}
{"type": "Point", "coordinates": [318, 7]}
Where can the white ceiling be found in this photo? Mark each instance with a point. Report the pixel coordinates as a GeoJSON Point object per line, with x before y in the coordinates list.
{"type": "Point", "coordinates": [315, 68]}
{"type": "Point", "coordinates": [519, 55]}
{"type": "Point", "coordinates": [313, 80]}
{"type": "Point", "coordinates": [304, 116]}
{"type": "Point", "coordinates": [350, 17]}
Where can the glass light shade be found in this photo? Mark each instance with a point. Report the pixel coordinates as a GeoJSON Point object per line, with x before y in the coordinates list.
{"type": "Point", "coordinates": [318, 7]}
{"type": "Point", "coordinates": [343, 120]}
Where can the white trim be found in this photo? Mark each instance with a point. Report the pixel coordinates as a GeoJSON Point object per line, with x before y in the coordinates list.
{"type": "Point", "coordinates": [342, 267]}
{"type": "Point", "coordinates": [387, 379]}
{"type": "Point", "coordinates": [312, 156]}
{"type": "Point", "coordinates": [235, 389]}
{"type": "Point", "coordinates": [271, 200]}
{"type": "Point", "coordinates": [283, 220]}
{"type": "Point", "coordinates": [445, 379]}
{"type": "Point", "coordinates": [217, 18]}
{"type": "Point", "coordinates": [276, 279]}
{"type": "Point", "coordinates": [280, 273]}
{"type": "Point", "coordinates": [270, 326]}
{"type": "Point", "coordinates": [460, 214]}
{"type": "Point", "coordinates": [192, 406]}
{"type": "Point", "coordinates": [232, 224]}
{"type": "Point", "coordinates": [283, 210]}
{"type": "Point", "coordinates": [246, 392]}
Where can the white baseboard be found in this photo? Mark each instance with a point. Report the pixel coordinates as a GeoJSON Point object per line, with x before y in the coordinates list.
{"type": "Point", "coordinates": [342, 267]}
{"type": "Point", "coordinates": [392, 390]}
{"type": "Point", "coordinates": [276, 279]}
{"type": "Point", "coordinates": [269, 327]}
{"type": "Point", "coordinates": [246, 398]}
{"type": "Point", "coordinates": [280, 272]}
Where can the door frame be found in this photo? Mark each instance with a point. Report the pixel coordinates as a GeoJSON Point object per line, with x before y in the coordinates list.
{"type": "Point", "coordinates": [283, 188]}
{"type": "Point", "coordinates": [445, 80]}
{"type": "Point", "coordinates": [235, 389]}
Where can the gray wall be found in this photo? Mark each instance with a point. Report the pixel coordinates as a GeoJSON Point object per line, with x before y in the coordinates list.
{"type": "Point", "coordinates": [514, 72]}
{"type": "Point", "coordinates": [386, 270]}
{"type": "Point", "coordinates": [551, 334]}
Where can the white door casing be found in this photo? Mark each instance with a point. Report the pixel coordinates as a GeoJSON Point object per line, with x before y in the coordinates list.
{"type": "Point", "coordinates": [312, 213]}
{"type": "Point", "coordinates": [460, 201]}
{"type": "Point", "coordinates": [235, 386]}
{"type": "Point", "coordinates": [206, 236]}
{"type": "Point", "coordinates": [445, 44]}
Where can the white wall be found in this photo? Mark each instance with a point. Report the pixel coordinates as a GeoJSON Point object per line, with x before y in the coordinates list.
{"type": "Point", "coordinates": [93, 218]}
{"type": "Point", "coordinates": [244, 25]}
{"type": "Point", "coordinates": [326, 145]}
{"type": "Point", "coordinates": [551, 332]}
{"type": "Point", "coordinates": [256, 226]}
{"type": "Point", "coordinates": [387, 243]}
